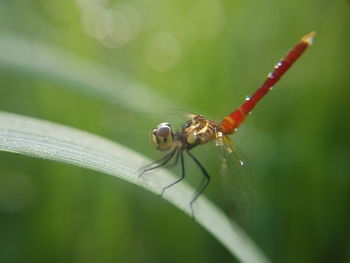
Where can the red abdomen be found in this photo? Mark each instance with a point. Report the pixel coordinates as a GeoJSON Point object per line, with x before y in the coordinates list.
{"type": "Point", "coordinates": [234, 120]}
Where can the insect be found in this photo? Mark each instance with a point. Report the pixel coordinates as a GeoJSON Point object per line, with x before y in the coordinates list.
{"type": "Point", "coordinates": [198, 130]}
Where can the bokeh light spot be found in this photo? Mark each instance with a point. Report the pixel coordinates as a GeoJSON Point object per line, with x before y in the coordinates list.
{"type": "Point", "coordinates": [114, 26]}
{"type": "Point", "coordinates": [163, 51]}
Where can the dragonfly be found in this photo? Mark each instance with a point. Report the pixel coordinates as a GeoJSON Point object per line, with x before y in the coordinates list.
{"type": "Point", "coordinates": [199, 130]}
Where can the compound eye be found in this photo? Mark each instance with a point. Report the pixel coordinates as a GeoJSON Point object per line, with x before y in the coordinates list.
{"type": "Point", "coordinates": [163, 137]}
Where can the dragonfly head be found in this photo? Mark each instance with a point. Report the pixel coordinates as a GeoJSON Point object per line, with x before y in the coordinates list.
{"type": "Point", "coordinates": [163, 137]}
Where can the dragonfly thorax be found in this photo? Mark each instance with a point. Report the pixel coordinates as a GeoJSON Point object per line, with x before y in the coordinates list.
{"type": "Point", "coordinates": [198, 130]}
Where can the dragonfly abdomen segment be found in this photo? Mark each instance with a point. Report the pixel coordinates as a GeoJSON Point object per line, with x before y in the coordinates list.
{"type": "Point", "coordinates": [231, 122]}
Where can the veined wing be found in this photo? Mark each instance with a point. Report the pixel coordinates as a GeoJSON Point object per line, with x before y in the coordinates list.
{"type": "Point", "coordinates": [237, 180]}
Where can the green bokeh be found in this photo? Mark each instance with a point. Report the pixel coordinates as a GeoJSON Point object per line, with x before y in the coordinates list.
{"type": "Point", "coordinates": [205, 56]}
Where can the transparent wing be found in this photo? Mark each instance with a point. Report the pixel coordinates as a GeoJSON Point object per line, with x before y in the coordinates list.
{"type": "Point", "coordinates": [237, 180]}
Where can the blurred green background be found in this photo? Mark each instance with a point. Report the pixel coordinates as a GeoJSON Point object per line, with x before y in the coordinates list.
{"type": "Point", "coordinates": [200, 55]}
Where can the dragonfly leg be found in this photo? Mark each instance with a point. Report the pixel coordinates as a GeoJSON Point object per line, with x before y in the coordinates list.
{"type": "Point", "coordinates": [203, 185]}
{"type": "Point", "coordinates": [182, 171]}
{"type": "Point", "coordinates": [176, 160]}
{"type": "Point", "coordinates": [163, 161]}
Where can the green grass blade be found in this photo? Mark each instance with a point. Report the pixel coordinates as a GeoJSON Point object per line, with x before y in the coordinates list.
{"type": "Point", "coordinates": [44, 61]}
{"type": "Point", "coordinates": [46, 140]}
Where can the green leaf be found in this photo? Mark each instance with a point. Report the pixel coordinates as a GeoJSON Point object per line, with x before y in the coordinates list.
{"type": "Point", "coordinates": [76, 73]}
{"type": "Point", "coordinates": [46, 140]}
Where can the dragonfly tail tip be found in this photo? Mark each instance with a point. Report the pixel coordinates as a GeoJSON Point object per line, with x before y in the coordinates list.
{"type": "Point", "coordinates": [309, 38]}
